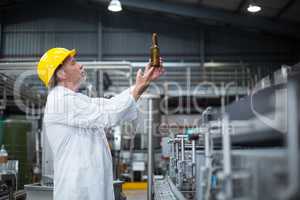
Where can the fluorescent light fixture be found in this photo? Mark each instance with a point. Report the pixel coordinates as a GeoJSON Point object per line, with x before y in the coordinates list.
{"type": "Point", "coordinates": [114, 6]}
{"type": "Point", "coordinates": [254, 8]}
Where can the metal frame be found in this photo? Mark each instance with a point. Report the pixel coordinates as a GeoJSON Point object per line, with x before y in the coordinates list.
{"type": "Point", "coordinates": [285, 8]}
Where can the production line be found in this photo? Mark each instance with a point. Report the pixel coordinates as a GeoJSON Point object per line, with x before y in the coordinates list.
{"type": "Point", "coordinates": [234, 151]}
{"type": "Point", "coordinates": [242, 158]}
{"type": "Point", "coordinates": [149, 100]}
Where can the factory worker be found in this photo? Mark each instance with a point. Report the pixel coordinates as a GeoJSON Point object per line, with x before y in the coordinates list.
{"type": "Point", "coordinates": [74, 126]}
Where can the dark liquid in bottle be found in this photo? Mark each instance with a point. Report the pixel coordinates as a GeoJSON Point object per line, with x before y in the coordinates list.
{"type": "Point", "coordinates": [154, 52]}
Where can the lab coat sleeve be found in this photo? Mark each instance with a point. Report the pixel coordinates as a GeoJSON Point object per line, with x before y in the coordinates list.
{"type": "Point", "coordinates": [114, 107]}
{"type": "Point", "coordinates": [85, 112]}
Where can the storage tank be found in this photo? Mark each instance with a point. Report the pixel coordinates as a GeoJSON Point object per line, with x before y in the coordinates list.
{"type": "Point", "coordinates": [18, 138]}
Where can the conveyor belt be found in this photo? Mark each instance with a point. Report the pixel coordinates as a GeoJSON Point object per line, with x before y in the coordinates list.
{"type": "Point", "coordinates": [165, 190]}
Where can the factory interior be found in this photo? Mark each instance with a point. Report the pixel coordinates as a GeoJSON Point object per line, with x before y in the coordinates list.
{"type": "Point", "coordinates": [221, 123]}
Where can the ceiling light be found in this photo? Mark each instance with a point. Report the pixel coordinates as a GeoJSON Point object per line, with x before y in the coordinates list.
{"type": "Point", "coordinates": [254, 8]}
{"type": "Point", "coordinates": [114, 6]}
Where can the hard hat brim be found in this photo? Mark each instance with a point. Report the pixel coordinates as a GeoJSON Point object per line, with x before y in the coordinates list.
{"type": "Point", "coordinates": [73, 52]}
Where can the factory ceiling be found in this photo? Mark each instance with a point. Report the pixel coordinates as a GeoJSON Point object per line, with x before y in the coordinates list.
{"type": "Point", "coordinates": [277, 16]}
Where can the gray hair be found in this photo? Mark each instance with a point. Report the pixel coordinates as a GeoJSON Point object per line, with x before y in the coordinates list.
{"type": "Point", "coordinates": [54, 80]}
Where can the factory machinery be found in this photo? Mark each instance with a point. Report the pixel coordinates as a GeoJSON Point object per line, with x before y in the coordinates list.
{"type": "Point", "coordinates": [246, 150]}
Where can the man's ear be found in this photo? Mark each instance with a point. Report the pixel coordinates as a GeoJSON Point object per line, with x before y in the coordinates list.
{"type": "Point", "coordinates": [61, 74]}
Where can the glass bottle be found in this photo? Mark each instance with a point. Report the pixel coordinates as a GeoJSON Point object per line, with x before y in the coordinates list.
{"type": "Point", "coordinates": [154, 52]}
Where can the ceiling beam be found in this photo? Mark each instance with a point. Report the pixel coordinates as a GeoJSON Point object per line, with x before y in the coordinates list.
{"type": "Point", "coordinates": [284, 8]}
{"type": "Point", "coordinates": [1, 34]}
{"type": "Point", "coordinates": [201, 13]}
{"type": "Point", "coordinates": [0, 38]}
{"type": "Point", "coordinates": [241, 6]}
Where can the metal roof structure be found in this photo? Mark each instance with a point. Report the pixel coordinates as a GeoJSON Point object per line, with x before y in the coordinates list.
{"type": "Point", "coordinates": [276, 16]}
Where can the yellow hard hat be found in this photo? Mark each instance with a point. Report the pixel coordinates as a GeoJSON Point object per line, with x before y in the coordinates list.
{"type": "Point", "coordinates": [50, 61]}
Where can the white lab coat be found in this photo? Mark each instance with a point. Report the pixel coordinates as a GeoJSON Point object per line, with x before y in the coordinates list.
{"type": "Point", "coordinates": [74, 126]}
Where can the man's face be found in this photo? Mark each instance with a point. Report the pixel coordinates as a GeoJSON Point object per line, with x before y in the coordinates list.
{"type": "Point", "coordinates": [74, 71]}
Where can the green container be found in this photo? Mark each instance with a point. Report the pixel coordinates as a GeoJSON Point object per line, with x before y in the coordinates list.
{"type": "Point", "coordinates": [17, 137]}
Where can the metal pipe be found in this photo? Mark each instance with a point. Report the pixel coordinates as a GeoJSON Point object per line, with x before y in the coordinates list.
{"type": "Point", "coordinates": [99, 82]}
{"type": "Point", "coordinates": [207, 149]}
{"type": "Point", "coordinates": [176, 151]}
{"type": "Point", "coordinates": [189, 146]}
{"type": "Point", "coordinates": [202, 54]}
{"type": "Point", "coordinates": [292, 140]}
{"type": "Point", "coordinates": [37, 146]}
{"type": "Point", "coordinates": [150, 152]}
{"type": "Point", "coordinates": [130, 75]}
{"type": "Point", "coordinates": [87, 65]}
{"type": "Point", "coordinates": [172, 158]}
{"type": "Point", "coordinates": [172, 149]}
{"type": "Point", "coordinates": [11, 64]}
{"type": "Point", "coordinates": [188, 86]}
{"type": "Point", "coordinates": [226, 157]}
{"type": "Point", "coordinates": [193, 158]}
{"type": "Point", "coordinates": [182, 149]}
{"type": "Point", "coordinates": [100, 37]}
{"type": "Point", "coordinates": [193, 152]}
{"type": "Point", "coordinates": [223, 102]}
{"type": "Point", "coordinates": [195, 64]}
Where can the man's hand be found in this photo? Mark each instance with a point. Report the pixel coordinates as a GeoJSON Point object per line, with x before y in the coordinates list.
{"type": "Point", "coordinates": [143, 80]}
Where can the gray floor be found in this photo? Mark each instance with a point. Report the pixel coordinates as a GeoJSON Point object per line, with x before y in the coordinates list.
{"type": "Point", "coordinates": [136, 194]}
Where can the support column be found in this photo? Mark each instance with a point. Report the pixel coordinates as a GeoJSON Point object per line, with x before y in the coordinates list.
{"type": "Point", "coordinates": [99, 37]}
{"type": "Point", "coordinates": [202, 53]}
{"type": "Point", "coordinates": [150, 151]}
{"type": "Point", "coordinates": [1, 35]}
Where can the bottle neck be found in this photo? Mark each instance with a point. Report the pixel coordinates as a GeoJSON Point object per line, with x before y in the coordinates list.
{"type": "Point", "coordinates": [154, 39]}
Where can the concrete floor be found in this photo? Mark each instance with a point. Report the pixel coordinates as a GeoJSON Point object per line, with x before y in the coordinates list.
{"type": "Point", "coordinates": [136, 194]}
